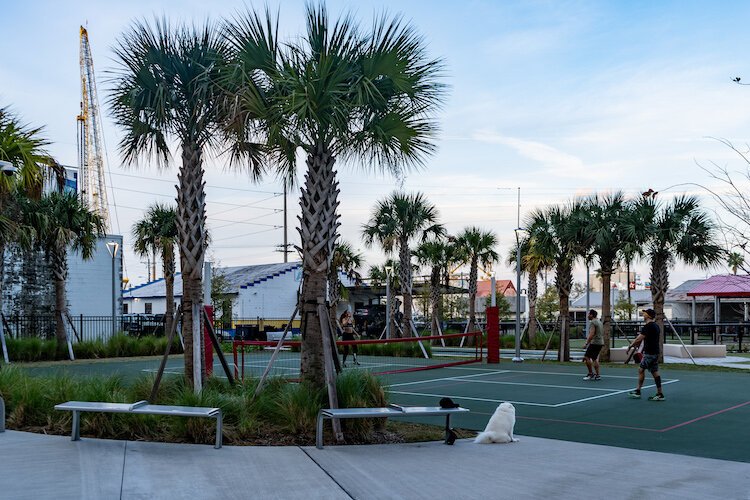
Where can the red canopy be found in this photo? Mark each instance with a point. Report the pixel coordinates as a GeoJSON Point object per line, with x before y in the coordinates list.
{"type": "Point", "coordinates": [724, 285]}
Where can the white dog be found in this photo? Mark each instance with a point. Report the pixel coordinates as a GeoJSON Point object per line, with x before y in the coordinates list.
{"type": "Point", "coordinates": [500, 427]}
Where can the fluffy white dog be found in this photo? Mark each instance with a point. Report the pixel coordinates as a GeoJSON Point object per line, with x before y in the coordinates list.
{"type": "Point", "coordinates": [500, 427]}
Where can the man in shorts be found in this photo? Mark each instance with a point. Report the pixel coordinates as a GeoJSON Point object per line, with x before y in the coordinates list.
{"type": "Point", "coordinates": [594, 344]}
{"type": "Point", "coordinates": [650, 335]}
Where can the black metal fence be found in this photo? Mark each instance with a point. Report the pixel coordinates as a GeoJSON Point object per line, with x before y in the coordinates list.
{"type": "Point", "coordinates": [84, 328]}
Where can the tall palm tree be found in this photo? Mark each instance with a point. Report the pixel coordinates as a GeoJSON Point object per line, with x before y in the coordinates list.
{"type": "Point", "coordinates": [605, 226]}
{"type": "Point", "coordinates": [164, 91]}
{"type": "Point", "coordinates": [476, 247]}
{"type": "Point", "coordinates": [345, 260]}
{"type": "Point", "coordinates": [558, 238]}
{"type": "Point", "coordinates": [338, 92]}
{"type": "Point", "coordinates": [24, 147]}
{"type": "Point", "coordinates": [64, 221]}
{"type": "Point", "coordinates": [156, 233]}
{"type": "Point", "coordinates": [735, 260]}
{"type": "Point", "coordinates": [395, 222]}
{"type": "Point", "coordinates": [677, 230]}
{"type": "Point", "coordinates": [432, 254]}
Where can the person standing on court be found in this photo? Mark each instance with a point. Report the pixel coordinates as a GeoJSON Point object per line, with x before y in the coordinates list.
{"type": "Point", "coordinates": [347, 333]}
{"type": "Point", "coordinates": [594, 344]}
{"type": "Point", "coordinates": [649, 335]}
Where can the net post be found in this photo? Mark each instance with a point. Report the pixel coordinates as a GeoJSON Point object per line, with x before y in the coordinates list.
{"type": "Point", "coordinates": [493, 335]}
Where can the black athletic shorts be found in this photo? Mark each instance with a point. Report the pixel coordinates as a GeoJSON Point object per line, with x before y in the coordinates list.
{"type": "Point", "coordinates": [592, 351]}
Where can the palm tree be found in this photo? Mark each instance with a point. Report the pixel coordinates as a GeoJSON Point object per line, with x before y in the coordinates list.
{"type": "Point", "coordinates": [345, 260]}
{"type": "Point", "coordinates": [24, 148]}
{"type": "Point", "coordinates": [476, 247]}
{"type": "Point", "coordinates": [163, 91]}
{"type": "Point", "coordinates": [677, 230]}
{"type": "Point", "coordinates": [735, 260]}
{"type": "Point", "coordinates": [156, 233]}
{"type": "Point", "coordinates": [605, 226]}
{"type": "Point", "coordinates": [533, 263]}
{"type": "Point", "coordinates": [338, 92]}
{"type": "Point", "coordinates": [432, 254]}
{"type": "Point", "coordinates": [396, 221]}
{"type": "Point", "coordinates": [558, 238]}
{"type": "Point", "coordinates": [64, 221]}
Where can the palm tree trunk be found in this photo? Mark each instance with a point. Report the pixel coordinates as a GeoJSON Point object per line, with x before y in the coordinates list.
{"type": "Point", "coordinates": [435, 300]}
{"type": "Point", "coordinates": [533, 291]}
{"type": "Point", "coordinates": [318, 226]}
{"type": "Point", "coordinates": [404, 253]}
{"type": "Point", "coordinates": [564, 282]}
{"type": "Point", "coordinates": [191, 228]}
{"type": "Point", "coordinates": [659, 286]}
{"type": "Point", "coordinates": [59, 274]}
{"type": "Point", "coordinates": [473, 294]}
{"type": "Point", "coordinates": [606, 273]}
{"type": "Point", "coordinates": [168, 269]}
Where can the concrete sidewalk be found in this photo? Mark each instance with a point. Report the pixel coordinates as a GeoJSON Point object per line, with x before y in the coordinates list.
{"type": "Point", "coordinates": [36, 466]}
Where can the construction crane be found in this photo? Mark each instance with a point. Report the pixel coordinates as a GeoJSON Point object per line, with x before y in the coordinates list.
{"type": "Point", "coordinates": [90, 146]}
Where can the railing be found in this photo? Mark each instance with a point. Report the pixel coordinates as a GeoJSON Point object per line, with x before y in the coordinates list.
{"type": "Point", "coordinates": [84, 328]}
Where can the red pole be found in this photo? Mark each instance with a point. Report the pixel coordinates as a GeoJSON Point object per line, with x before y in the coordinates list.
{"type": "Point", "coordinates": [493, 335]}
{"type": "Point", "coordinates": [208, 359]}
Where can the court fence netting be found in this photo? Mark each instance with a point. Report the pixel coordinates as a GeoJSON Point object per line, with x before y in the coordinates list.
{"type": "Point", "coordinates": [379, 356]}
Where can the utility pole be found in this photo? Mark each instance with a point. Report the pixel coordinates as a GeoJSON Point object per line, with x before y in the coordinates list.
{"type": "Point", "coordinates": [517, 358]}
{"type": "Point", "coordinates": [286, 243]}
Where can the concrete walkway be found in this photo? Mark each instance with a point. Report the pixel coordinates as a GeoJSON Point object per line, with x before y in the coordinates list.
{"type": "Point", "coordinates": [36, 466]}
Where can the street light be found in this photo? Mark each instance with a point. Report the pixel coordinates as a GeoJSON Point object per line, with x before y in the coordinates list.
{"type": "Point", "coordinates": [517, 358]}
{"type": "Point", "coordinates": [113, 246]}
{"type": "Point", "coordinates": [388, 272]}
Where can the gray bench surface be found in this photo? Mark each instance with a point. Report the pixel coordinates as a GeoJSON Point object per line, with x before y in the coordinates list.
{"type": "Point", "coordinates": [386, 412]}
{"type": "Point", "coordinates": [141, 408]}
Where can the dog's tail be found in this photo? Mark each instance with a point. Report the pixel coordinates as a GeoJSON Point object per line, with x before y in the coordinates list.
{"type": "Point", "coordinates": [483, 438]}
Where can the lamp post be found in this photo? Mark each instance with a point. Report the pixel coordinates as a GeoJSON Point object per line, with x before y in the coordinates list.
{"type": "Point", "coordinates": [517, 357]}
{"type": "Point", "coordinates": [113, 246]}
{"type": "Point", "coordinates": [388, 271]}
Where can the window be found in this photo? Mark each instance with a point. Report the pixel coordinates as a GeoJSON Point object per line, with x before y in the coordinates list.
{"type": "Point", "coordinates": [148, 306]}
{"type": "Point", "coordinates": [124, 308]}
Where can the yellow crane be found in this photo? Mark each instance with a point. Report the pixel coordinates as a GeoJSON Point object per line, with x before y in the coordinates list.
{"type": "Point", "coordinates": [90, 147]}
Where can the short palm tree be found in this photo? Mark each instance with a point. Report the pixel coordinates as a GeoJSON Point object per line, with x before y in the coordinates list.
{"type": "Point", "coordinates": [156, 233]}
{"type": "Point", "coordinates": [735, 260]}
{"type": "Point", "coordinates": [476, 247]}
{"type": "Point", "coordinates": [64, 221]}
{"type": "Point", "coordinates": [677, 230]}
{"type": "Point", "coordinates": [533, 263]}
{"type": "Point", "coordinates": [395, 222]}
{"type": "Point", "coordinates": [24, 147]}
{"type": "Point", "coordinates": [337, 93]}
{"type": "Point", "coordinates": [164, 91]}
{"type": "Point", "coordinates": [432, 254]}
{"type": "Point", "coordinates": [345, 260]}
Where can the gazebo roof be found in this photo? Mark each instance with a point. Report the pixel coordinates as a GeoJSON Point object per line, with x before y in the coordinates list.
{"type": "Point", "coordinates": [723, 285]}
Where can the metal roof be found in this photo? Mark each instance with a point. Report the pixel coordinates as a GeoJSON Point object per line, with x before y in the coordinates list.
{"type": "Point", "coordinates": [723, 285]}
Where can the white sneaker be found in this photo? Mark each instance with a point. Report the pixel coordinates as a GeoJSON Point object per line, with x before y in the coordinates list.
{"type": "Point", "coordinates": [589, 377]}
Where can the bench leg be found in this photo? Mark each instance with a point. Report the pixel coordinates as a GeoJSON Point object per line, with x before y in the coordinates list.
{"type": "Point", "coordinates": [76, 432]}
{"type": "Point", "coordinates": [218, 431]}
{"type": "Point", "coordinates": [319, 433]}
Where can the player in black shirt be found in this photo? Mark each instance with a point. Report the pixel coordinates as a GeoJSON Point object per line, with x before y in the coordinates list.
{"type": "Point", "coordinates": [649, 335]}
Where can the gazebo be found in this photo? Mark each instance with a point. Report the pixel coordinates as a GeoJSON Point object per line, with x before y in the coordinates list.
{"type": "Point", "coordinates": [723, 286]}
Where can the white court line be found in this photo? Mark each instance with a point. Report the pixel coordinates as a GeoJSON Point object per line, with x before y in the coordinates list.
{"type": "Point", "coordinates": [611, 394]}
{"type": "Point", "coordinates": [472, 399]}
{"type": "Point", "coordinates": [543, 385]}
{"type": "Point", "coordinates": [460, 377]}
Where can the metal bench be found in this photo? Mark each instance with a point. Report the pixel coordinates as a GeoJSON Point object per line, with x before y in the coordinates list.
{"type": "Point", "coordinates": [388, 412]}
{"type": "Point", "coordinates": [140, 408]}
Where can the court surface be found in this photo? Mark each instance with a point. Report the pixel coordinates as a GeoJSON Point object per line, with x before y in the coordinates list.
{"type": "Point", "coordinates": [705, 414]}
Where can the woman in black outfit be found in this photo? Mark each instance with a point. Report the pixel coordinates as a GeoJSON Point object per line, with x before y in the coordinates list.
{"type": "Point", "coordinates": [347, 328]}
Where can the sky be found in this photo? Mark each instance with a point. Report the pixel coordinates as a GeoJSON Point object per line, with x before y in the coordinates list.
{"type": "Point", "coordinates": [558, 98]}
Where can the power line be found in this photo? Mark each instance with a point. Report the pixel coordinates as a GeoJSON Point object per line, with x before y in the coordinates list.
{"type": "Point", "coordinates": [207, 185]}
{"type": "Point", "coordinates": [236, 205]}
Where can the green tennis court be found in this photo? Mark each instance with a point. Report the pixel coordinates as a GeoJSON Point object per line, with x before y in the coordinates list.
{"type": "Point", "coordinates": [706, 414]}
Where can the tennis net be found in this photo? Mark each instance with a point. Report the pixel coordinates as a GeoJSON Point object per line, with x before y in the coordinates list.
{"type": "Point", "coordinates": [379, 356]}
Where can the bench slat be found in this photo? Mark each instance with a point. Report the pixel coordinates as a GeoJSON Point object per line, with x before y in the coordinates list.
{"type": "Point", "coordinates": [185, 411]}
{"type": "Point", "coordinates": [95, 406]}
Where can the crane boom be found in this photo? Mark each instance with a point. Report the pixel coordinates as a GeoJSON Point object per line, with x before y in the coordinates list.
{"type": "Point", "coordinates": [90, 146]}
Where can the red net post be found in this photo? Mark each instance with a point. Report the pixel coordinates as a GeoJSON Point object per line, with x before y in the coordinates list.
{"type": "Point", "coordinates": [208, 359]}
{"type": "Point", "coordinates": [493, 335]}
